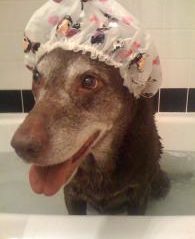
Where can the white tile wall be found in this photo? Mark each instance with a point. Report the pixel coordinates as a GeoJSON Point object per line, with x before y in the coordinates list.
{"type": "Point", "coordinates": [175, 78]}
{"type": "Point", "coordinates": [192, 45]}
{"type": "Point", "coordinates": [11, 47]}
{"type": "Point", "coordinates": [179, 14]}
{"type": "Point", "coordinates": [175, 44]}
{"type": "Point", "coordinates": [13, 16]}
{"type": "Point", "coordinates": [14, 13]}
{"type": "Point", "coordinates": [192, 74]}
{"type": "Point", "coordinates": [14, 75]}
{"type": "Point", "coordinates": [171, 22]}
{"type": "Point", "coordinates": [151, 13]}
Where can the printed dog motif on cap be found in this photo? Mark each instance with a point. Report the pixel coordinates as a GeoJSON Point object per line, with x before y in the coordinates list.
{"type": "Point", "coordinates": [67, 28]}
{"type": "Point", "coordinates": [104, 29]}
{"type": "Point", "coordinates": [30, 46]}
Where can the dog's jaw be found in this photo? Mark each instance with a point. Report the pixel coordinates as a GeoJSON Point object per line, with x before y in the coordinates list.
{"type": "Point", "coordinates": [42, 178]}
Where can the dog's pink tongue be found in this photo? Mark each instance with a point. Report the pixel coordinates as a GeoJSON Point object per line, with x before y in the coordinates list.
{"type": "Point", "coordinates": [49, 180]}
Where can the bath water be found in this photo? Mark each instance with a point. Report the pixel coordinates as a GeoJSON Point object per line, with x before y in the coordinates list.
{"type": "Point", "coordinates": [16, 195]}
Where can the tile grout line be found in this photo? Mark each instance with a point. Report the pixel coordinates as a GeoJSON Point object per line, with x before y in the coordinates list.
{"type": "Point", "coordinates": [187, 99]}
{"type": "Point", "coordinates": [164, 14]}
{"type": "Point", "coordinates": [21, 94]}
{"type": "Point", "coordinates": [188, 87]}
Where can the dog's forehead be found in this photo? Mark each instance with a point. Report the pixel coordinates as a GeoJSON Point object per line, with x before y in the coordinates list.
{"type": "Point", "coordinates": [55, 62]}
{"type": "Point", "coordinates": [69, 65]}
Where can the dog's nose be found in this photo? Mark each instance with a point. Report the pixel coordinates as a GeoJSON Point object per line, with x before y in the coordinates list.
{"type": "Point", "coordinates": [31, 138]}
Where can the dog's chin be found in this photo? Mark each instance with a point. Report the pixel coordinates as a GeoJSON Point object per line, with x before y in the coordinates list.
{"type": "Point", "coordinates": [48, 180]}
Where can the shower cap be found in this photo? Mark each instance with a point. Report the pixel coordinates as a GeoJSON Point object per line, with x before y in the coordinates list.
{"type": "Point", "coordinates": [102, 28]}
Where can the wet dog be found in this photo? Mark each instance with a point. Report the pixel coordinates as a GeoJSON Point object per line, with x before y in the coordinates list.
{"type": "Point", "coordinates": [87, 132]}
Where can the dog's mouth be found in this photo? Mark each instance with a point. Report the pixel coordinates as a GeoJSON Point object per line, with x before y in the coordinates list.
{"type": "Point", "coordinates": [49, 180]}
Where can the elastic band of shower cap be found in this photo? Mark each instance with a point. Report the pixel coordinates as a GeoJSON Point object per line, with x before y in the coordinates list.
{"type": "Point", "coordinates": [102, 28]}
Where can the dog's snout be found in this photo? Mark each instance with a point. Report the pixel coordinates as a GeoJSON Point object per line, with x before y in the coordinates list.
{"type": "Point", "coordinates": [26, 145]}
{"type": "Point", "coordinates": [31, 139]}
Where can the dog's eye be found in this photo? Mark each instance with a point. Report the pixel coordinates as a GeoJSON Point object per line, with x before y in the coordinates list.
{"type": "Point", "coordinates": [89, 82]}
{"type": "Point", "coordinates": [36, 76]}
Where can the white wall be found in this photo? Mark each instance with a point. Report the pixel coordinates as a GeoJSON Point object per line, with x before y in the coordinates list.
{"type": "Point", "coordinates": [171, 22]}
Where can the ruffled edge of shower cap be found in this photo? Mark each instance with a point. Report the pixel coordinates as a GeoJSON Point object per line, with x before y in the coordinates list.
{"type": "Point", "coordinates": [105, 30]}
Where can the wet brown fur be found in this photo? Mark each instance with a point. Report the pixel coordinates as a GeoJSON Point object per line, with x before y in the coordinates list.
{"type": "Point", "coordinates": [122, 171]}
{"type": "Point", "coordinates": [135, 177]}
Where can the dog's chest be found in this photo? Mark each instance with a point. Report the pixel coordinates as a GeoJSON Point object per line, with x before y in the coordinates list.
{"type": "Point", "coordinates": [99, 189]}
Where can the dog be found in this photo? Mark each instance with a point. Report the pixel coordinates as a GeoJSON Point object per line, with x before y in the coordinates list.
{"type": "Point", "coordinates": [89, 133]}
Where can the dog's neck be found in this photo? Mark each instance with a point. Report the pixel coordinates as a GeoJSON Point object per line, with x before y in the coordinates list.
{"type": "Point", "coordinates": [106, 152]}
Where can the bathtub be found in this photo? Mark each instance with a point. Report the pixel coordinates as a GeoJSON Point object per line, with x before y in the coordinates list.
{"type": "Point", "coordinates": [26, 215]}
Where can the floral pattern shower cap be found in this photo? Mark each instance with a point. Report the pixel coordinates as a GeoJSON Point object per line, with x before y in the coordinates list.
{"type": "Point", "coordinates": [104, 29]}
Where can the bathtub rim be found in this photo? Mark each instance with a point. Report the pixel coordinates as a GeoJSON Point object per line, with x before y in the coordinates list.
{"type": "Point", "coordinates": [94, 226]}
